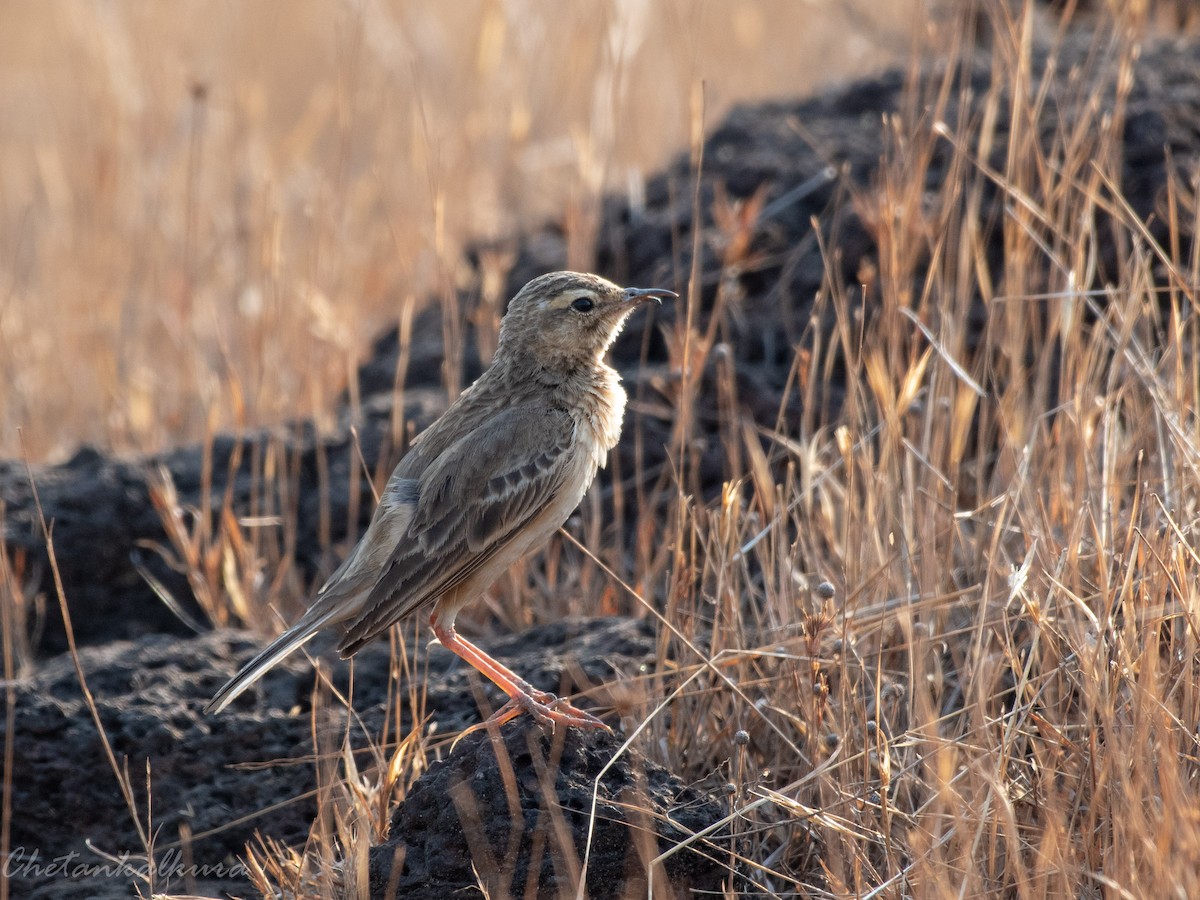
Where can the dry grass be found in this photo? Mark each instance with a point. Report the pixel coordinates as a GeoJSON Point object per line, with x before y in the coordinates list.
{"type": "Point", "coordinates": [207, 210]}
{"type": "Point", "coordinates": [992, 691]}
{"type": "Point", "coordinates": [996, 694]}
{"type": "Point", "coordinates": [943, 646]}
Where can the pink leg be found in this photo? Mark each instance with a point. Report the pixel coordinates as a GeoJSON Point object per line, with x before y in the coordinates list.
{"type": "Point", "coordinates": [523, 697]}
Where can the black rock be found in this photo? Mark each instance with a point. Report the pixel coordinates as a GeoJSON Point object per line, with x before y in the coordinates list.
{"type": "Point", "coordinates": [521, 813]}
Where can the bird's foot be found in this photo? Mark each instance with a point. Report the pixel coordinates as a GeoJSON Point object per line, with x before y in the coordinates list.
{"type": "Point", "coordinates": [546, 709]}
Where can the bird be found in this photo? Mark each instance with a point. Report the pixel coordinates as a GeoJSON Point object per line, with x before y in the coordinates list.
{"type": "Point", "coordinates": [488, 482]}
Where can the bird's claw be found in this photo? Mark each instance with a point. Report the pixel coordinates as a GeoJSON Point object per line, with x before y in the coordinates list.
{"type": "Point", "coordinates": [547, 710]}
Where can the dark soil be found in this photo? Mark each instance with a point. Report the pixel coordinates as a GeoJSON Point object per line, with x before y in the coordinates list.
{"type": "Point", "coordinates": [151, 674]}
{"type": "Point", "coordinates": [513, 835]}
{"type": "Point", "coordinates": [224, 777]}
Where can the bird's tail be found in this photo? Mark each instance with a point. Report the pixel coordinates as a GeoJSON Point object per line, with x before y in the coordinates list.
{"type": "Point", "coordinates": [292, 639]}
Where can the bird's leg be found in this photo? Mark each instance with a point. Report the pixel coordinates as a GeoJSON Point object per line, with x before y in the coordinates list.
{"type": "Point", "coordinates": [523, 697]}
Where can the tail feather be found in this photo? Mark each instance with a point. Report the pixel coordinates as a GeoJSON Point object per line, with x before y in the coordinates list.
{"type": "Point", "coordinates": [291, 640]}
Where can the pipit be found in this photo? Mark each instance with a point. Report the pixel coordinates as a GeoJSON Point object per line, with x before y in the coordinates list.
{"type": "Point", "coordinates": [486, 483]}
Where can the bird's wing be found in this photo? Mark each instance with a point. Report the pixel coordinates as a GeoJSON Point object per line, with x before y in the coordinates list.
{"type": "Point", "coordinates": [473, 499]}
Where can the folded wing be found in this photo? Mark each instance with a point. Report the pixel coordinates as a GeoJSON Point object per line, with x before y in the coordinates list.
{"type": "Point", "coordinates": [473, 500]}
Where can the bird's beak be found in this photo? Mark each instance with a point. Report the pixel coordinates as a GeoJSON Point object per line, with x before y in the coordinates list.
{"type": "Point", "coordinates": [638, 295]}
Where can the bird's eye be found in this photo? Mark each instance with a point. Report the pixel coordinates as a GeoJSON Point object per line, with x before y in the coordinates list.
{"type": "Point", "coordinates": [582, 304]}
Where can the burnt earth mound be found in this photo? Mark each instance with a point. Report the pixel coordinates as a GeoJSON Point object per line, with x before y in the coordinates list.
{"type": "Point", "coordinates": [223, 778]}
{"type": "Point", "coordinates": [511, 800]}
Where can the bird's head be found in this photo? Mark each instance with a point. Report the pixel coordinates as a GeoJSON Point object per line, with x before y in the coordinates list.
{"type": "Point", "coordinates": [567, 320]}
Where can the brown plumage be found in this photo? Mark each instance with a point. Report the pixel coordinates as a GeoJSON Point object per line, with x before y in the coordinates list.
{"type": "Point", "coordinates": [486, 483]}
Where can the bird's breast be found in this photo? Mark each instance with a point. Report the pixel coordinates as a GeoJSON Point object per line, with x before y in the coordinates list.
{"type": "Point", "coordinates": [600, 415]}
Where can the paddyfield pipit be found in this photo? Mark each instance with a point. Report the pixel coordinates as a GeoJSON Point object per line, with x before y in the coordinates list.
{"type": "Point", "coordinates": [486, 483]}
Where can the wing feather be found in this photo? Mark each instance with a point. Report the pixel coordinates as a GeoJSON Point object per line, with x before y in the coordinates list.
{"type": "Point", "coordinates": [474, 498]}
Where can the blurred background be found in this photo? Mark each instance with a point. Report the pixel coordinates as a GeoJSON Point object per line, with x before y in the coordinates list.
{"type": "Point", "coordinates": [207, 210]}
